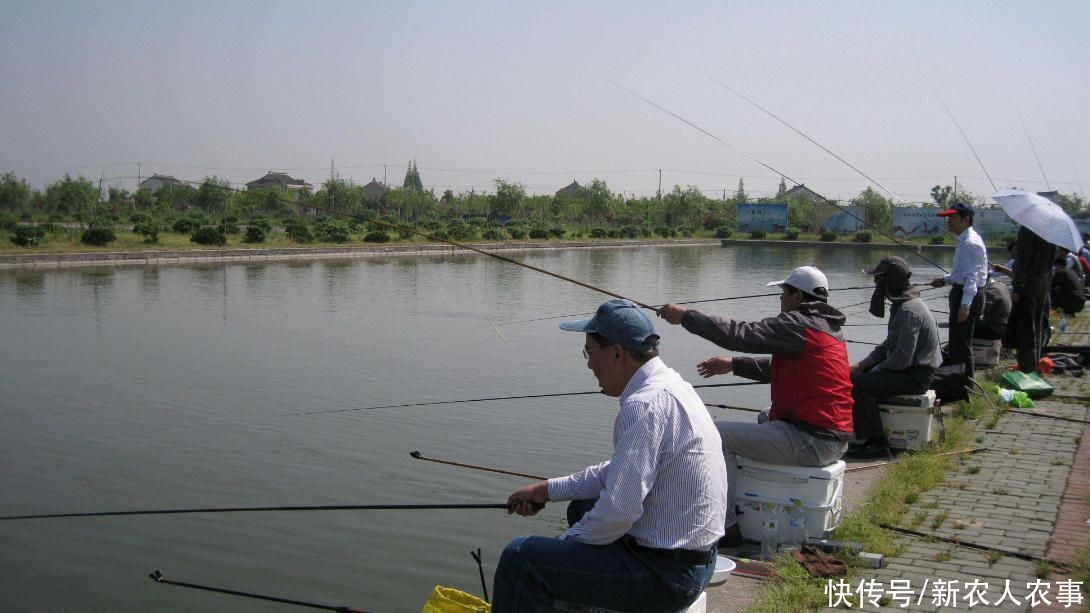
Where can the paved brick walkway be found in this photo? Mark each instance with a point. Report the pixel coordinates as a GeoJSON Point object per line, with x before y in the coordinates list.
{"type": "Point", "coordinates": [1008, 498]}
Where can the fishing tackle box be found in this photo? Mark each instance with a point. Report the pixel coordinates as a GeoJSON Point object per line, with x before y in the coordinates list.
{"type": "Point", "coordinates": [909, 421]}
{"type": "Point", "coordinates": [759, 485]}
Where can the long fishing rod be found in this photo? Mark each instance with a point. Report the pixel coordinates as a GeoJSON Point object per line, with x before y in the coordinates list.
{"type": "Point", "coordinates": [437, 402]}
{"type": "Point", "coordinates": [962, 543]}
{"type": "Point", "coordinates": [1031, 146]}
{"type": "Point", "coordinates": [460, 245]}
{"type": "Point", "coordinates": [784, 175]}
{"type": "Point", "coordinates": [339, 507]}
{"type": "Point", "coordinates": [964, 136]}
{"type": "Point", "coordinates": [750, 296]}
{"type": "Point", "coordinates": [159, 578]}
{"type": "Point", "coordinates": [843, 161]}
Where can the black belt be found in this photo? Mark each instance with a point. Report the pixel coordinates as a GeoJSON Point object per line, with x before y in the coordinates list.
{"type": "Point", "coordinates": [689, 556]}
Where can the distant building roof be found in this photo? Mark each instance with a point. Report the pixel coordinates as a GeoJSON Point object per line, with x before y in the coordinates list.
{"type": "Point", "coordinates": [805, 192]}
{"type": "Point", "coordinates": [156, 181]}
{"type": "Point", "coordinates": [278, 179]}
{"type": "Point", "coordinates": [373, 190]}
{"type": "Point", "coordinates": [571, 190]}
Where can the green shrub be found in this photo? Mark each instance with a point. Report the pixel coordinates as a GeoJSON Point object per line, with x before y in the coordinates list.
{"type": "Point", "coordinates": [462, 232]}
{"type": "Point", "coordinates": [262, 223]}
{"type": "Point", "coordinates": [232, 228]}
{"type": "Point", "coordinates": [138, 218]}
{"type": "Point", "coordinates": [441, 234]}
{"type": "Point", "coordinates": [199, 217]}
{"type": "Point", "coordinates": [723, 232]}
{"type": "Point", "coordinates": [792, 234]}
{"type": "Point", "coordinates": [331, 232]}
{"type": "Point", "coordinates": [98, 236]}
{"type": "Point", "coordinates": [938, 239]}
{"type": "Point", "coordinates": [862, 236]}
{"type": "Point", "coordinates": [557, 232]}
{"type": "Point", "coordinates": [598, 233]}
{"type": "Point", "coordinates": [28, 236]}
{"type": "Point", "coordinates": [8, 222]}
{"type": "Point", "coordinates": [255, 233]}
{"type": "Point", "coordinates": [665, 231]}
{"type": "Point", "coordinates": [298, 232]}
{"type": "Point", "coordinates": [539, 233]}
{"type": "Point", "coordinates": [517, 232]}
{"type": "Point", "coordinates": [376, 236]}
{"type": "Point", "coordinates": [828, 237]}
{"type": "Point", "coordinates": [494, 234]}
{"type": "Point", "coordinates": [757, 234]}
{"type": "Point", "coordinates": [630, 232]}
{"type": "Point", "coordinates": [209, 235]}
{"type": "Point", "coordinates": [147, 229]}
{"type": "Point", "coordinates": [185, 225]}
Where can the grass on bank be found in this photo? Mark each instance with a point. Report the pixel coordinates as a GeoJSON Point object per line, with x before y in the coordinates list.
{"type": "Point", "coordinates": [888, 501]}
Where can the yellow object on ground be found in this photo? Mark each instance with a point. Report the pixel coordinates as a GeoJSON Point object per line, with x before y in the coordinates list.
{"type": "Point", "coordinates": [449, 600]}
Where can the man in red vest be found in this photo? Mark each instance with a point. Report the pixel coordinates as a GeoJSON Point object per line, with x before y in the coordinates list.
{"type": "Point", "coordinates": [810, 421]}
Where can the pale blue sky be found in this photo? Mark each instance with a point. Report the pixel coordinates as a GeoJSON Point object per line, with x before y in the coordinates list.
{"type": "Point", "coordinates": [476, 90]}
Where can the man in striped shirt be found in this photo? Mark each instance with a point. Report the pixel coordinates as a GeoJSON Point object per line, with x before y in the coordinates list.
{"type": "Point", "coordinates": [646, 522]}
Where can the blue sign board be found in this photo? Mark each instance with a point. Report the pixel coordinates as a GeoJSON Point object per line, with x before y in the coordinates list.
{"type": "Point", "coordinates": [767, 217]}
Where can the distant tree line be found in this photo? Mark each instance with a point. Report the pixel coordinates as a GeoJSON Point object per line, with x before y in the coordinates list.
{"type": "Point", "coordinates": [591, 209]}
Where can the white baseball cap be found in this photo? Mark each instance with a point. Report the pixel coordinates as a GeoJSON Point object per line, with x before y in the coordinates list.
{"type": "Point", "coordinates": [808, 279]}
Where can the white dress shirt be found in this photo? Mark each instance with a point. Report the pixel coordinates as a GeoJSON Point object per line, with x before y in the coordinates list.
{"type": "Point", "coordinates": [970, 269]}
{"type": "Point", "coordinates": [666, 484]}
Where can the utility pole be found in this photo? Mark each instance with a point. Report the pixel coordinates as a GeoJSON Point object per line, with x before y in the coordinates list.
{"type": "Point", "coordinates": [659, 192]}
{"type": "Point", "coordinates": [384, 183]}
{"type": "Point", "coordinates": [332, 191]}
{"type": "Point", "coordinates": [138, 175]}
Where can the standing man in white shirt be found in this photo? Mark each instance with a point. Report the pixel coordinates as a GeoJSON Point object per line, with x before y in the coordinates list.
{"type": "Point", "coordinates": [648, 543]}
{"type": "Point", "coordinates": [967, 278]}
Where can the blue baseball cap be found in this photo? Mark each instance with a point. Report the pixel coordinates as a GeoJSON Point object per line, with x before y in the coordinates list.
{"type": "Point", "coordinates": [620, 321]}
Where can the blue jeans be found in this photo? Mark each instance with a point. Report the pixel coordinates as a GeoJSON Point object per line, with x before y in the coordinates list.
{"type": "Point", "coordinates": [536, 571]}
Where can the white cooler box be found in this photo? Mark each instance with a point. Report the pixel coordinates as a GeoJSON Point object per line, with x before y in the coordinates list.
{"type": "Point", "coordinates": [909, 421]}
{"type": "Point", "coordinates": [820, 488]}
{"type": "Point", "coordinates": [986, 353]}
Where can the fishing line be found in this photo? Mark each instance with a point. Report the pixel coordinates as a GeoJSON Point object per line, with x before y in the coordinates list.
{"type": "Point", "coordinates": [425, 404]}
{"type": "Point", "coordinates": [784, 175]}
{"type": "Point", "coordinates": [824, 148]}
{"type": "Point", "coordinates": [341, 507]}
{"type": "Point", "coordinates": [159, 578]}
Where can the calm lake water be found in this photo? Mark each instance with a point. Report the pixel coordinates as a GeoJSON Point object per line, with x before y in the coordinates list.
{"type": "Point", "coordinates": [173, 387]}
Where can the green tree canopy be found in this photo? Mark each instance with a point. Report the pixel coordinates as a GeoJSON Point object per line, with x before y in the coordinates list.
{"type": "Point", "coordinates": [15, 194]}
{"type": "Point", "coordinates": [70, 196]}
{"type": "Point", "coordinates": [508, 198]}
{"type": "Point", "coordinates": [877, 209]}
{"type": "Point", "coordinates": [412, 177]}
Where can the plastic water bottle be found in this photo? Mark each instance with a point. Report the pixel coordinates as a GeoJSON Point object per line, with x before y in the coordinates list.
{"type": "Point", "coordinates": [770, 532]}
{"type": "Point", "coordinates": [796, 523]}
{"type": "Point", "coordinates": [1063, 323]}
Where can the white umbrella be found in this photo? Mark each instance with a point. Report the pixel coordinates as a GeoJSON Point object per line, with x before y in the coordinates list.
{"type": "Point", "coordinates": [1041, 215]}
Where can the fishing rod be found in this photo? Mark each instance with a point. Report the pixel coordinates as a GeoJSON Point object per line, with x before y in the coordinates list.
{"type": "Point", "coordinates": [419, 456]}
{"type": "Point", "coordinates": [425, 404]}
{"type": "Point", "coordinates": [937, 455]}
{"type": "Point", "coordinates": [1047, 416]}
{"type": "Point", "coordinates": [960, 543]}
{"type": "Point", "coordinates": [842, 160]}
{"type": "Point", "coordinates": [765, 295]}
{"type": "Point", "coordinates": [784, 175]}
{"type": "Point", "coordinates": [339, 507]}
{"type": "Point", "coordinates": [1031, 146]}
{"type": "Point", "coordinates": [460, 245]}
{"type": "Point", "coordinates": [964, 136]}
{"type": "Point", "coordinates": [159, 578]}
